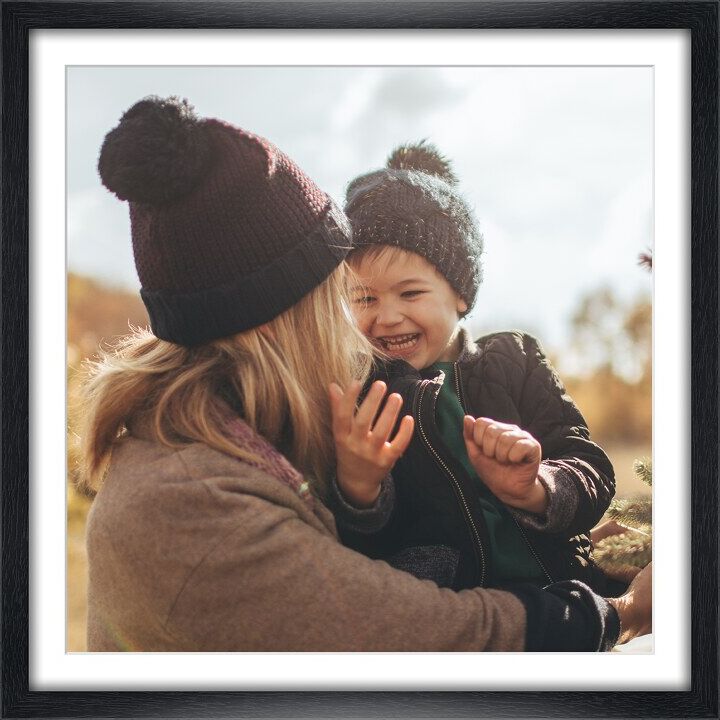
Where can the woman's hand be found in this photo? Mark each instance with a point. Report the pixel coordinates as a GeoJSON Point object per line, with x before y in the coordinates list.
{"type": "Point", "coordinates": [365, 453]}
{"type": "Point", "coordinates": [507, 459]}
{"type": "Point", "coordinates": [635, 606]}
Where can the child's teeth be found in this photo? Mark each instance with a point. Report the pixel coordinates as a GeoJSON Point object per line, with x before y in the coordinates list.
{"type": "Point", "coordinates": [400, 343]}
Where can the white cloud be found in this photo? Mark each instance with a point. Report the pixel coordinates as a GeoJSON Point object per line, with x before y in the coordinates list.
{"type": "Point", "coordinates": [556, 161]}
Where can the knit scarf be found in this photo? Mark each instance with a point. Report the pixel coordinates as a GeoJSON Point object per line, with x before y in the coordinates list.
{"type": "Point", "coordinates": [268, 459]}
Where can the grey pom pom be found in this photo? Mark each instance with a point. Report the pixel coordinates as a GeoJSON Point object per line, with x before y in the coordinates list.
{"type": "Point", "coordinates": [158, 152]}
{"type": "Point", "coordinates": [422, 157]}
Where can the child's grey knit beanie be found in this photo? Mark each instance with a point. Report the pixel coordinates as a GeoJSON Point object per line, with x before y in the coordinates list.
{"type": "Point", "coordinates": [413, 203]}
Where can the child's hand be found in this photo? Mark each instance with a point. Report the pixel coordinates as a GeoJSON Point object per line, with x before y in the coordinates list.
{"type": "Point", "coordinates": [507, 460]}
{"type": "Point", "coordinates": [364, 451]}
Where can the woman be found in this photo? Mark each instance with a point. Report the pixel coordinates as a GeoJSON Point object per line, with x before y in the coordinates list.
{"type": "Point", "coordinates": [210, 439]}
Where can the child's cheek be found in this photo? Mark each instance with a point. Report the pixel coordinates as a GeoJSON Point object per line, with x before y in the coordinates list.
{"type": "Point", "coordinates": [363, 321]}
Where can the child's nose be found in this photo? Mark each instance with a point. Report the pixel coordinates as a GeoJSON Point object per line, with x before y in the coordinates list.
{"type": "Point", "coordinates": [388, 315]}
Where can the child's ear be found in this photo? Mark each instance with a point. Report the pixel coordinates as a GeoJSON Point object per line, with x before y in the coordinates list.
{"type": "Point", "coordinates": [461, 306]}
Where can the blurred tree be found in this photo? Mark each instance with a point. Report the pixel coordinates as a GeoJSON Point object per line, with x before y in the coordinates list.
{"type": "Point", "coordinates": [96, 314]}
{"type": "Point", "coordinates": [611, 335]}
{"type": "Point", "coordinates": [623, 544]}
{"type": "Point", "coordinates": [611, 355]}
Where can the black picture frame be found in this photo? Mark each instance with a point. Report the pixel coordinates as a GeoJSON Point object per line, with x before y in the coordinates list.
{"type": "Point", "coordinates": [699, 18]}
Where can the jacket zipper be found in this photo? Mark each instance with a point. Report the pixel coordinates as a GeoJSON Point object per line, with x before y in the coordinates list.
{"type": "Point", "coordinates": [532, 549]}
{"type": "Point", "coordinates": [458, 389]}
{"type": "Point", "coordinates": [456, 484]}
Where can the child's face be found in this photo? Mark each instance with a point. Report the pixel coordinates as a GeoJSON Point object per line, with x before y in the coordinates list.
{"type": "Point", "coordinates": [406, 307]}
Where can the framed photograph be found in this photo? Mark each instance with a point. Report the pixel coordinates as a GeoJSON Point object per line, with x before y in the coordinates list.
{"type": "Point", "coordinates": [584, 135]}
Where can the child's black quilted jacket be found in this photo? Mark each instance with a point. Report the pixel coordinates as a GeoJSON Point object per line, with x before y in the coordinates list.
{"type": "Point", "coordinates": [429, 513]}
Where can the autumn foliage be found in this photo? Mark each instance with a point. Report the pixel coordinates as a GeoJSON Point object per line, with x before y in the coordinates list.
{"type": "Point", "coordinates": [96, 314]}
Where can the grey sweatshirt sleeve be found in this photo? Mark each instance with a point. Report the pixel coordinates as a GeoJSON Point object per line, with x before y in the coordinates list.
{"type": "Point", "coordinates": [562, 500]}
{"type": "Point", "coordinates": [363, 520]}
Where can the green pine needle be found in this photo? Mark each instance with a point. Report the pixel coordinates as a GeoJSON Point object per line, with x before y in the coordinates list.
{"type": "Point", "coordinates": [622, 550]}
{"type": "Point", "coordinates": [643, 469]}
{"type": "Point", "coordinates": [634, 511]}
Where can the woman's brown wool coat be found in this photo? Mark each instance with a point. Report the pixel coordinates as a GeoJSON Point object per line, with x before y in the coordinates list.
{"type": "Point", "coordinates": [192, 550]}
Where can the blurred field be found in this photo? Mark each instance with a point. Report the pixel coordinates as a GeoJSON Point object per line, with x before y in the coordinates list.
{"type": "Point", "coordinates": [617, 409]}
{"type": "Point", "coordinates": [76, 571]}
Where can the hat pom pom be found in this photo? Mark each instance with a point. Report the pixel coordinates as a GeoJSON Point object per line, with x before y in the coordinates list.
{"type": "Point", "coordinates": [157, 153]}
{"type": "Point", "coordinates": [422, 157]}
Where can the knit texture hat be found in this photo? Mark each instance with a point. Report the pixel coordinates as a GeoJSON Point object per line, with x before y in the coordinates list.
{"type": "Point", "coordinates": [227, 231]}
{"type": "Point", "coordinates": [413, 203]}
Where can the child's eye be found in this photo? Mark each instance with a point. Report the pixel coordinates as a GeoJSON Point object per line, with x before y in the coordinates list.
{"type": "Point", "coordinates": [412, 293]}
{"type": "Point", "coordinates": [363, 300]}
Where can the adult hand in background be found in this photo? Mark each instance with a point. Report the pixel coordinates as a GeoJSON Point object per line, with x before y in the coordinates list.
{"type": "Point", "coordinates": [634, 607]}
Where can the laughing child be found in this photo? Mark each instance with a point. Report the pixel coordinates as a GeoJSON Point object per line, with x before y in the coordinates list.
{"type": "Point", "coordinates": [500, 482]}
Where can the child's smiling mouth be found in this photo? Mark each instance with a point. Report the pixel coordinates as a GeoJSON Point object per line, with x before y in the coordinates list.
{"type": "Point", "coordinates": [398, 343]}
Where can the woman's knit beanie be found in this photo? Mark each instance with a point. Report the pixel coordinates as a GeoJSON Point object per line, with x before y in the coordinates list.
{"type": "Point", "coordinates": [413, 203]}
{"type": "Point", "coordinates": [227, 231]}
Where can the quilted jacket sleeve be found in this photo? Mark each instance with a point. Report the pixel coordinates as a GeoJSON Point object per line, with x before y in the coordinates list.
{"type": "Point", "coordinates": [576, 472]}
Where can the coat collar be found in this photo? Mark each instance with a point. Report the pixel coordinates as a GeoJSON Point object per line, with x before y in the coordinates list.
{"type": "Point", "coordinates": [468, 347]}
{"type": "Point", "coordinates": [395, 370]}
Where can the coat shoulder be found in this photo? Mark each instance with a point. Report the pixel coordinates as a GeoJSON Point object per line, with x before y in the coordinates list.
{"type": "Point", "coordinates": [144, 474]}
{"type": "Point", "coordinates": [513, 344]}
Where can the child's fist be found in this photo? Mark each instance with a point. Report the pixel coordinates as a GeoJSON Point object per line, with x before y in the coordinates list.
{"type": "Point", "coordinates": [507, 459]}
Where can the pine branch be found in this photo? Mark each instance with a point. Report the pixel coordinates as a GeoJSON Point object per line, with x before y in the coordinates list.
{"type": "Point", "coordinates": [634, 511]}
{"type": "Point", "coordinates": [627, 549]}
{"type": "Point", "coordinates": [643, 470]}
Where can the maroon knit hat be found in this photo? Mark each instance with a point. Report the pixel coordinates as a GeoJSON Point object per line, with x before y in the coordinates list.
{"type": "Point", "coordinates": [227, 231]}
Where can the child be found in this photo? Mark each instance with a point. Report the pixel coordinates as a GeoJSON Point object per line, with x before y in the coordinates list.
{"type": "Point", "coordinates": [500, 482]}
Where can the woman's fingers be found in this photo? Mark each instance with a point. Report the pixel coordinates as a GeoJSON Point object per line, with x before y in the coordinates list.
{"type": "Point", "coordinates": [635, 606]}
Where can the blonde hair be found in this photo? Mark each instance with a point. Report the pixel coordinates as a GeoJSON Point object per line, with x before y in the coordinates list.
{"type": "Point", "coordinates": [278, 373]}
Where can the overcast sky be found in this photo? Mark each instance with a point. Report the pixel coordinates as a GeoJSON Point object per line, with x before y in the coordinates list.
{"type": "Point", "coordinates": [556, 161]}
